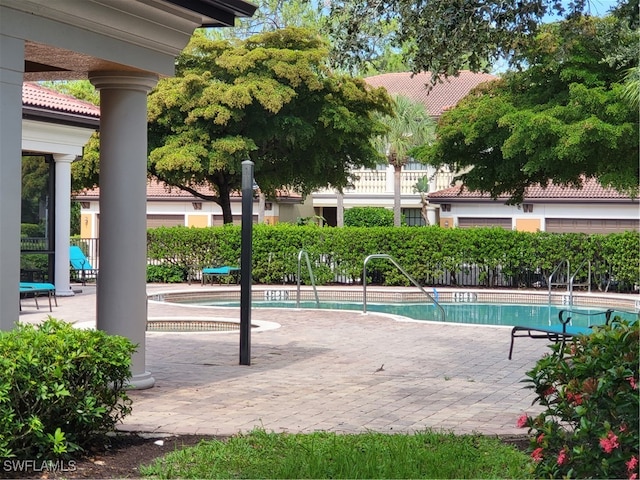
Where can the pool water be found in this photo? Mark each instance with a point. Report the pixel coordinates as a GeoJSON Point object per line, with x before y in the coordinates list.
{"type": "Point", "coordinates": [471, 313]}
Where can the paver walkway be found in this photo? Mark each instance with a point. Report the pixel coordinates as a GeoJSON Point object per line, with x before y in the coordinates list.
{"type": "Point", "coordinates": [319, 371]}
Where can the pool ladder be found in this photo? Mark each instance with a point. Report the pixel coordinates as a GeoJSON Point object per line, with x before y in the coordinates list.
{"type": "Point", "coordinates": [303, 253]}
{"type": "Point", "coordinates": [569, 280]}
{"type": "Point", "coordinates": [411, 279]}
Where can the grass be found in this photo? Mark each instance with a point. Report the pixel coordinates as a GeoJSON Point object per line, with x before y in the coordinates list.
{"type": "Point", "coordinates": [259, 454]}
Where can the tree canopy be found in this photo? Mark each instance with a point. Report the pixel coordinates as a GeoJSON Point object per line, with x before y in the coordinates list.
{"type": "Point", "coordinates": [565, 118]}
{"type": "Point", "coordinates": [445, 36]}
{"type": "Point", "coordinates": [270, 98]}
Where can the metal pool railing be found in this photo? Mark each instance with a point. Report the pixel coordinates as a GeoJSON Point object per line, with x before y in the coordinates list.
{"type": "Point", "coordinates": [411, 279]}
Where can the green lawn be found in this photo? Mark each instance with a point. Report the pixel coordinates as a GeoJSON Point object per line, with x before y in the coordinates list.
{"type": "Point", "coordinates": [327, 455]}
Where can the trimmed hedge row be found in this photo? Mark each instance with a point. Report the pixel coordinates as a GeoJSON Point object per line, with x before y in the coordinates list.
{"type": "Point", "coordinates": [432, 255]}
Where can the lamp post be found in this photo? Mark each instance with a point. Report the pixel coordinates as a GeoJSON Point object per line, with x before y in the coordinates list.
{"type": "Point", "coordinates": [246, 235]}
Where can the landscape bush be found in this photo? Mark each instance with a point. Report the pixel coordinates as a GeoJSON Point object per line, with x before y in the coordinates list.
{"type": "Point", "coordinates": [166, 273]}
{"type": "Point", "coordinates": [431, 255]}
{"type": "Point", "coordinates": [368, 217]}
{"type": "Point", "coordinates": [61, 388]}
{"type": "Point", "coordinates": [589, 391]}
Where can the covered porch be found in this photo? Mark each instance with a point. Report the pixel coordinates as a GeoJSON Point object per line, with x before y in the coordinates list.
{"type": "Point", "coordinates": [122, 48]}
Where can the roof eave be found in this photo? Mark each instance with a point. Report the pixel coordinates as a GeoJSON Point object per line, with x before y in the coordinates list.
{"type": "Point", "coordinates": [63, 118]}
{"type": "Point", "coordinates": [217, 13]}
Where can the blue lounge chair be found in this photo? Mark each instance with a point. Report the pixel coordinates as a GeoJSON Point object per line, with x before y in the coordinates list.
{"type": "Point", "coordinates": [80, 265]}
{"type": "Point", "coordinates": [35, 289]}
{"type": "Point", "coordinates": [210, 273]}
{"type": "Point", "coordinates": [558, 333]}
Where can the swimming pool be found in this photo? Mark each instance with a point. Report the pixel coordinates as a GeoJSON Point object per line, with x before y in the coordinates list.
{"type": "Point", "coordinates": [460, 307]}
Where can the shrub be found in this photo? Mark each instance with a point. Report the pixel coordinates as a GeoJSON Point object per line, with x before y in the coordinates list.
{"type": "Point", "coordinates": [60, 388]}
{"type": "Point", "coordinates": [368, 217]}
{"type": "Point", "coordinates": [589, 389]}
{"type": "Point", "coordinates": [166, 274]}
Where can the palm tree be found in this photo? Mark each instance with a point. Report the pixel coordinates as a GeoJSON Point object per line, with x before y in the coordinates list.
{"type": "Point", "coordinates": [410, 127]}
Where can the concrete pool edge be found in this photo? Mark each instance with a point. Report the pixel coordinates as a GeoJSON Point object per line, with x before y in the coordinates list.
{"type": "Point", "coordinates": [626, 302]}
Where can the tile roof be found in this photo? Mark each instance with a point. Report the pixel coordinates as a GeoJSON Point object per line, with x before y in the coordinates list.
{"type": "Point", "coordinates": [440, 98]}
{"type": "Point", "coordinates": [35, 95]}
{"type": "Point", "coordinates": [591, 190]}
{"type": "Point", "coordinates": [157, 190]}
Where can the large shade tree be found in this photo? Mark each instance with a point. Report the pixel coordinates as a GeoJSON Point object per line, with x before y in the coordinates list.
{"type": "Point", "coordinates": [270, 98]}
{"type": "Point", "coordinates": [445, 36]}
{"type": "Point", "coordinates": [563, 119]}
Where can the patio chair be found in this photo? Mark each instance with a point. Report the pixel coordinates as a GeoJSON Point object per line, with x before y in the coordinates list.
{"type": "Point", "coordinates": [210, 273]}
{"type": "Point", "coordinates": [35, 289]}
{"type": "Point", "coordinates": [80, 265]}
{"type": "Point", "coordinates": [558, 333]}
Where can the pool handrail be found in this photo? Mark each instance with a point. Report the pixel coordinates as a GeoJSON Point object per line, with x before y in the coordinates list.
{"type": "Point", "coordinates": [571, 284]}
{"type": "Point", "coordinates": [549, 284]}
{"type": "Point", "coordinates": [404, 272]}
{"type": "Point", "coordinates": [302, 253]}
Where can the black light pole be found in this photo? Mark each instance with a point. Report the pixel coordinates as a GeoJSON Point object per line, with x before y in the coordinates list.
{"type": "Point", "coordinates": [245, 262]}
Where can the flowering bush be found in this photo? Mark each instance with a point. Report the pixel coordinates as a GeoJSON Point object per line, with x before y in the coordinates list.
{"type": "Point", "coordinates": [589, 388]}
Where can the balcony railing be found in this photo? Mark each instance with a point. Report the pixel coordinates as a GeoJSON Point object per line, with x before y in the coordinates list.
{"type": "Point", "coordinates": [379, 182]}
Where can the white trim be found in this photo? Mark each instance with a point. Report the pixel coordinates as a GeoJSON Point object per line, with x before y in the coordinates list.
{"type": "Point", "coordinates": [54, 138]}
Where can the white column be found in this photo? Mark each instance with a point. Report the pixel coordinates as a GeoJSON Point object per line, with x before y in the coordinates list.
{"type": "Point", "coordinates": [63, 223]}
{"type": "Point", "coordinates": [339, 209]}
{"type": "Point", "coordinates": [261, 207]}
{"type": "Point", "coordinates": [121, 289]}
{"type": "Point", "coordinates": [11, 73]}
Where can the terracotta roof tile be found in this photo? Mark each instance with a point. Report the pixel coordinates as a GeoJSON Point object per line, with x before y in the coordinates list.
{"type": "Point", "coordinates": [591, 190]}
{"type": "Point", "coordinates": [157, 190]}
{"type": "Point", "coordinates": [441, 97]}
{"type": "Point", "coordinates": [38, 96]}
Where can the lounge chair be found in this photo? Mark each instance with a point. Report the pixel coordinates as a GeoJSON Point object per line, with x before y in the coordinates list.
{"type": "Point", "coordinates": [35, 289]}
{"type": "Point", "coordinates": [558, 333]}
{"type": "Point", "coordinates": [210, 273]}
{"type": "Point", "coordinates": [80, 265]}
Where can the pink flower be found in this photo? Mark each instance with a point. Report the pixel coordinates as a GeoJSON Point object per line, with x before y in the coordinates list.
{"type": "Point", "coordinates": [540, 438]}
{"type": "Point", "coordinates": [632, 382]}
{"type": "Point", "coordinates": [633, 476]}
{"type": "Point", "coordinates": [632, 464]}
{"type": "Point", "coordinates": [522, 421]}
{"type": "Point", "coordinates": [550, 390]}
{"type": "Point", "coordinates": [610, 443]}
{"type": "Point", "coordinates": [574, 398]}
{"type": "Point", "coordinates": [562, 457]}
{"type": "Point", "coordinates": [536, 455]}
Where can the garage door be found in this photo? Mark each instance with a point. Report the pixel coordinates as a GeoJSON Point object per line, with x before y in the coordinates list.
{"type": "Point", "coordinates": [469, 222]}
{"type": "Point", "coordinates": [566, 225]}
{"type": "Point", "coordinates": [154, 221]}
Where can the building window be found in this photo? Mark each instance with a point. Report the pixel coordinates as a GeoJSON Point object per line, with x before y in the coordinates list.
{"type": "Point", "coordinates": [445, 207]}
{"type": "Point", "coordinates": [413, 217]}
{"type": "Point", "coordinates": [413, 165]}
{"type": "Point", "coordinates": [527, 207]}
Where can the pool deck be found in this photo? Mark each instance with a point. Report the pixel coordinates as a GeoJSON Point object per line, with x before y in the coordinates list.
{"type": "Point", "coordinates": [322, 370]}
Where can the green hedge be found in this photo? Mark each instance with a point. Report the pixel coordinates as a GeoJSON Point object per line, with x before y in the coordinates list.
{"type": "Point", "coordinates": [432, 255]}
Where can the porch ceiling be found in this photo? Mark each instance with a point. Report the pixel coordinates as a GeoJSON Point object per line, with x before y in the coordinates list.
{"type": "Point", "coordinates": [128, 27]}
{"type": "Point", "coordinates": [46, 62]}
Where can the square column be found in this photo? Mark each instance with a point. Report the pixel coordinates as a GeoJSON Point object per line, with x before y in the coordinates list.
{"type": "Point", "coordinates": [121, 286]}
{"type": "Point", "coordinates": [11, 74]}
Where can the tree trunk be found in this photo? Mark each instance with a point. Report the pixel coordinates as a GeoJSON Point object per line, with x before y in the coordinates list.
{"type": "Point", "coordinates": [225, 202]}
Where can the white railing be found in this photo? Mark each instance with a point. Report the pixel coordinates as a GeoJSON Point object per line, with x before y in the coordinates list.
{"type": "Point", "coordinates": [377, 182]}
